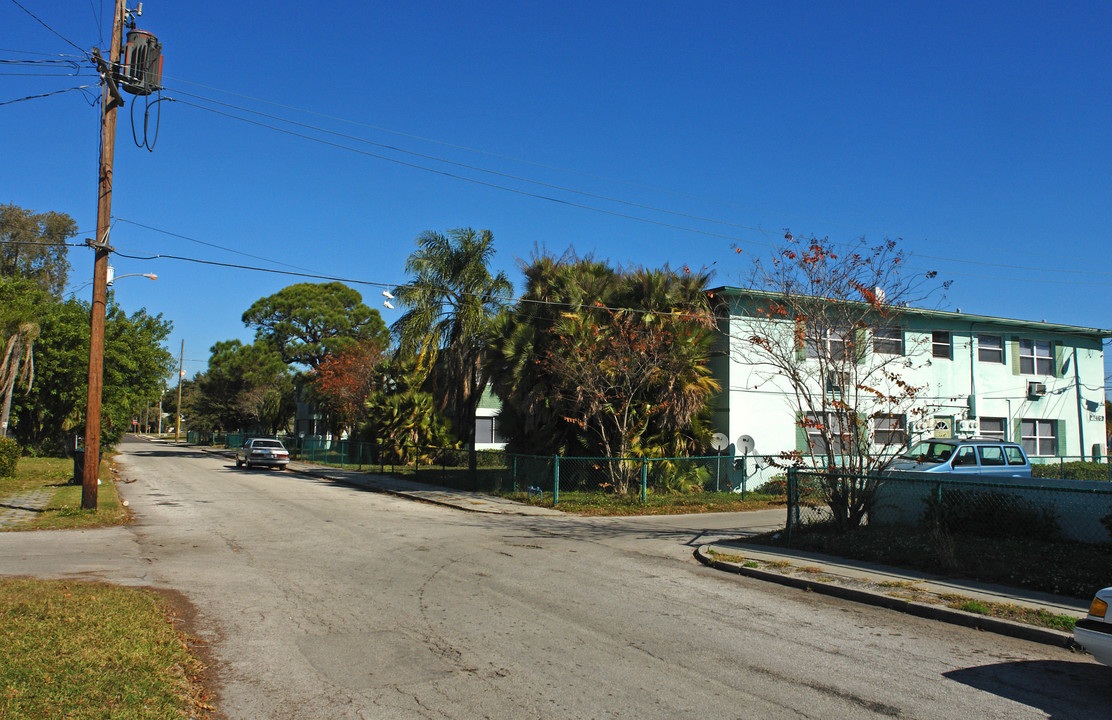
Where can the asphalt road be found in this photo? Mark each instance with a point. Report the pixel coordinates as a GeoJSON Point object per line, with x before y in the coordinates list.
{"type": "Point", "coordinates": [325, 601]}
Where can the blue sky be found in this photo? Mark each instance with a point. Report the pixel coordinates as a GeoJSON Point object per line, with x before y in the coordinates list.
{"type": "Point", "coordinates": [976, 133]}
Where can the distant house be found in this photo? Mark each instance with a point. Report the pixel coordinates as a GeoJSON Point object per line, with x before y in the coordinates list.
{"type": "Point", "coordinates": [1037, 383]}
{"type": "Point", "coordinates": [488, 436]}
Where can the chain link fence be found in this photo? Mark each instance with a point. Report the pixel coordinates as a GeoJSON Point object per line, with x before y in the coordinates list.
{"type": "Point", "coordinates": [1040, 508]}
{"type": "Point", "coordinates": [545, 477]}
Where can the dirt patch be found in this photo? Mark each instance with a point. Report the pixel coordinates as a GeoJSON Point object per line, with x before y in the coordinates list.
{"type": "Point", "coordinates": [204, 686]}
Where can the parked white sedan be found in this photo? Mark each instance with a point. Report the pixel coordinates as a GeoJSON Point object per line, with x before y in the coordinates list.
{"type": "Point", "coordinates": [1094, 633]}
{"type": "Point", "coordinates": [260, 451]}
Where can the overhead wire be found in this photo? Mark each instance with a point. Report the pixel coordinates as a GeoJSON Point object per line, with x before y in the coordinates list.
{"type": "Point", "coordinates": [567, 189]}
{"type": "Point", "coordinates": [464, 178]}
{"type": "Point", "coordinates": [337, 278]}
{"type": "Point", "coordinates": [496, 173]}
{"type": "Point", "coordinates": [43, 95]}
{"type": "Point", "coordinates": [209, 244]}
{"type": "Point", "coordinates": [511, 158]}
{"type": "Point", "coordinates": [43, 23]}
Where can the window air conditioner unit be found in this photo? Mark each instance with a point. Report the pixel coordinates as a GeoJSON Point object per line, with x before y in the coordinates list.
{"type": "Point", "coordinates": [1035, 390]}
{"type": "Point", "coordinates": [923, 426]}
{"type": "Point", "coordinates": [969, 427]}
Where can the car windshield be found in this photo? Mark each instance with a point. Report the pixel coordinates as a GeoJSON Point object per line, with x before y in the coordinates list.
{"type": "Point", "coordinates": [930, 452]}
{"type": "Point", "coordinates": [267, 444]}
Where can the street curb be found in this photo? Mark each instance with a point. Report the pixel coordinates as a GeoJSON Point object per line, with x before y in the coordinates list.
{"type": "Point", "coordinates": [999, 626]}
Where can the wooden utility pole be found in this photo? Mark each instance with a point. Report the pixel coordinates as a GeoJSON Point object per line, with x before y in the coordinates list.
{"type": "Point", "coordinates": [181, 374]}
{"type": "Point", "coordinates": [110, 101]}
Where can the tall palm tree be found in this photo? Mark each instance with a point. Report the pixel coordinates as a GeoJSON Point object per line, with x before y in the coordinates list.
{"type": "Point", "coordinates": [451, 300]}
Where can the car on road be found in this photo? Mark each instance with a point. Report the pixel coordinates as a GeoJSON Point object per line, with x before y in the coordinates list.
{"type": "Point", "coordinates": [262, 451]}
{"type": "Point", "coordinates": [1094, 633]}
{"type": "Point", "coordinates": [971, 456]}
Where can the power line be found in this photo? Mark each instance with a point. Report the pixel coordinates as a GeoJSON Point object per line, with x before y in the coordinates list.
{"type": "Point", "coordinates": [40, 21]}
{"type": "Point", "coordinates": [376, 284]}
{"type": "Point", "coordinates": [948, 259]}
{"type": "Point", "coordinates": [56, 92]}
{"type": "Point", "coordinates": [484, 170]}
{"type": "Point", "coordinates": [470, 180]}
{"type": "Point", "coordinates": [512, 158]}
{"type": "Point", "coordinates": [211, 245]}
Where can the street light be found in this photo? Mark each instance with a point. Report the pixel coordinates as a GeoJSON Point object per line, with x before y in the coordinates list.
{"type": "Point", "coordinates": [112, 276]}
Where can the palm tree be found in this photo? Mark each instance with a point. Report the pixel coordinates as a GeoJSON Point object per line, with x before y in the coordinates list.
{"type": "Point", "coordinates": [17, 353]}
{"type": "Point", "coordinates": [569, 330]}
{"type": "Point", "coordinates": [451, 300]}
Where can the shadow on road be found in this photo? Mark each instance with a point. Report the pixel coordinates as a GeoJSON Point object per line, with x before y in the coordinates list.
{"type": "Point", "coordinates": [169, 453]}
{"type": "Point", "coordinates": [1060, 689]}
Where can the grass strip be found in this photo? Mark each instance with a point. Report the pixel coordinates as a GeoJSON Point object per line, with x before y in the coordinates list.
{"type": "Point", "coordinates": [78, 651]}
{"type": "Point", "coordinates": [64, 510]}
{"type": "Point", "coordinates": [1060, 567]}
{"type": "Point", "coordinates": [1009, 611]}
{"type": "Point", "coordinates": [610, 504]}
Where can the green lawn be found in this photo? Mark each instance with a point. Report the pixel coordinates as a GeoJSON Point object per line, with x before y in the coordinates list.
{"type": "Point", "coordinates": [600, 503]}
{"type": "Point", "coordinates": [78, 650]}
{"type": "Point", "coordinates": [64, 510]}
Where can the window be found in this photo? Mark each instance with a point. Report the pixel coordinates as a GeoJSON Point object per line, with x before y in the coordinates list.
{"type": "Point", "coordinates": [890, 429]}
{"type": "Point", "coordinates": [817, 424]}
{"type": "Point", "coordinates": [833, 340]}
{"type": "Point", "coordinates": [837, 382]}
{"type": "Point", "coordinates": [964, 456]}
{"type": "Point", "coordinates": [1014, 455]}
{"type": "Point", "coordinates": [1035, 357]}
{"type": "Point", "coordinates": [992, 428]}
{"type": "Point", "coordinates": [940, 344]}
{"type": "Point", "coordinates": [1039, 437]}
{"type": "Point", "coordinates": [486, 430]}
{"type": "Point", "coordinates": [990, 348]}
{"type": "Point", "coordinates": [991, 454]}
{"type": "Point", "coordinates": [888, 340]}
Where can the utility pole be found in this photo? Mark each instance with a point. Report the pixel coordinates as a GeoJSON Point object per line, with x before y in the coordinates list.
{"type": "Point", "coordinates": [181, 374]}
{"type": "Point", "coordinates": [110, 100]}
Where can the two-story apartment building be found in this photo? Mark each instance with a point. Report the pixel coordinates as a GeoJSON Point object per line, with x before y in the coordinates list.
{"type": "Point", "coordinates": [1037, 383]}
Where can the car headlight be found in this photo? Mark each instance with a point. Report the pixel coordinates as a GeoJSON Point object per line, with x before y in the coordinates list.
{"type": "Point", "coordinates": [1098, 608]}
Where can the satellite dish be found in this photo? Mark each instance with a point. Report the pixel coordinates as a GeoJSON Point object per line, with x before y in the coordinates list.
{"type": "Point", "coordinates": [719, 441]}
{"type": "Point", "coordinates": [745, 444]}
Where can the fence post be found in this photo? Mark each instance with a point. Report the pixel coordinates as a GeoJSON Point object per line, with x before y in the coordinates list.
{"type": "Point", "coordinates": [515, 473]}
{"type": "Point", "coordinates": [556, 481]}
{"type": "Point", "coordinates": [938, 501]}
{"type": "Point", "coordinates": [644, 479]}
{"type": "Point", "coordinates": [744, 472]}
{"type": "Point", "coordinates": [793, 479]}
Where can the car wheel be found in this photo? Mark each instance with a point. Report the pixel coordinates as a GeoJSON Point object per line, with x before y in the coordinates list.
{"type": "Point", "coordinates": [239, 463]}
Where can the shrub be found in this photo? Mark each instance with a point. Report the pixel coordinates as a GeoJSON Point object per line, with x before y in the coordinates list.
{"type": "Point", "coordinates": [9, 456]}
{"type": "Point", "coordinates": [777, 487]}
{"type": "Point", "coordinates": [990, 514]}
{"type": "Point", "coordinates": [1072, 471]}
